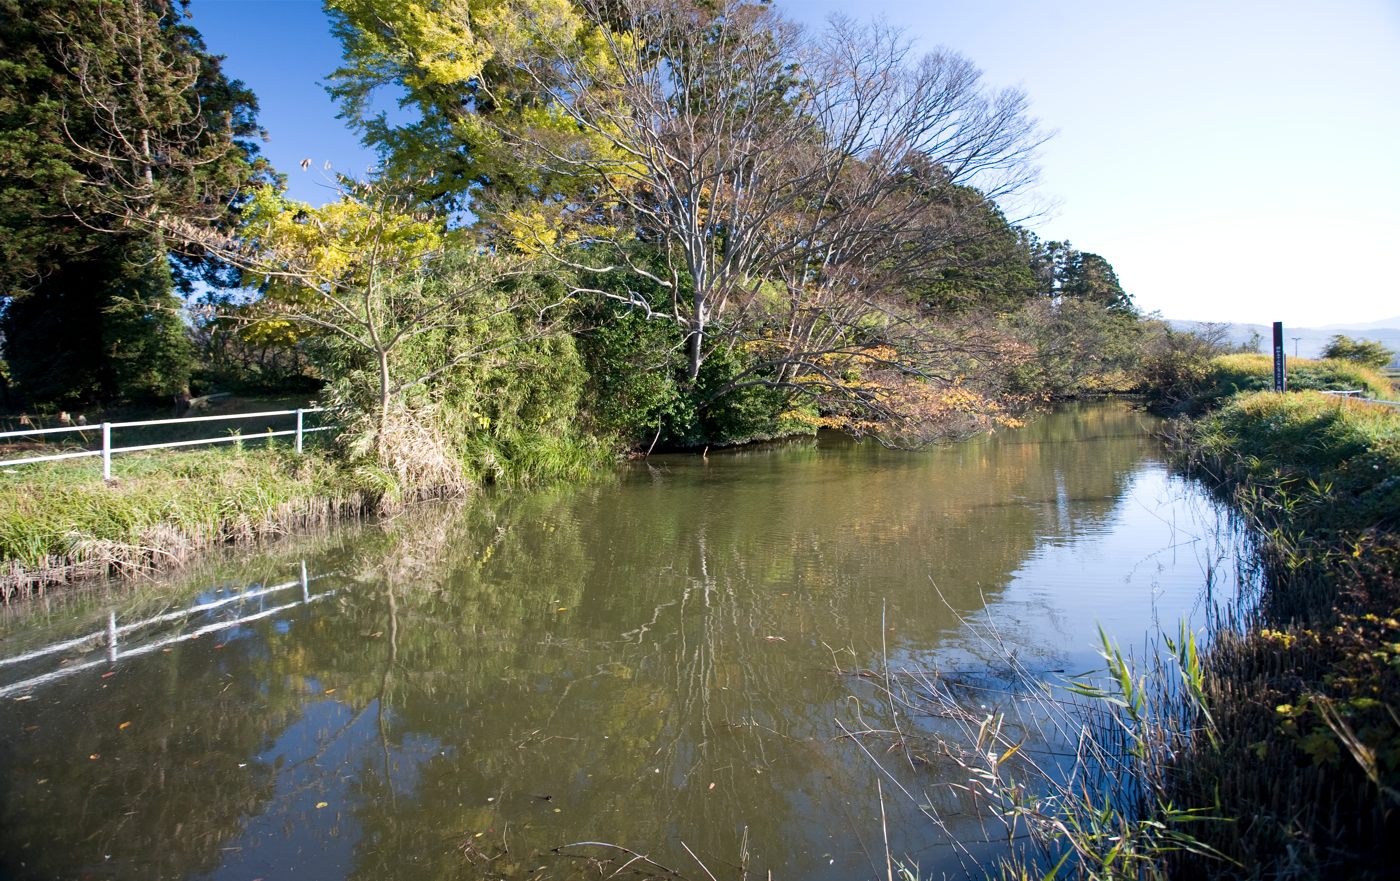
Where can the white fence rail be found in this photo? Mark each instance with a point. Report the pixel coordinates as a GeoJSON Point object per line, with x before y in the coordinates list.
{"type": "Point", "coordinates": [119, 642]}
{"type": "Point", "coordinates": [1356, 394]}
{"type": "Point", "coordinates": [107, 451]}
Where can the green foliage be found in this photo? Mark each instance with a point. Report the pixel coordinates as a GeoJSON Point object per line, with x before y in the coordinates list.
{"type": "Point", "coordinates": [1078, 347]}
{"type": "Point", "coordinates": [1064, 271]}
{"type": "Point", "coordinates": [104, 325]}
{"type": "Point", "coordinates": [1368, 353]}
{"type": "Point", "coordinates": [988, 265]}
{"type": "Point", "coordinates": [454, 62]}
{"type": "Point", "coordinates": [86, 291]}
{"type": "Point", "coordinates": [734, 417]}
{"type": "Point", "coordinates": [633, 365]}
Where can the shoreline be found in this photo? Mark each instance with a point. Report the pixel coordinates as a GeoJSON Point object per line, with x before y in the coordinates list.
{"type": "Point", "coordinates": [1303, 693]}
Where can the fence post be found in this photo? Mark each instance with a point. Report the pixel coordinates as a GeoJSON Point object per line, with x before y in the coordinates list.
{"type": "Point", "coordinates": [106, 451]}
{"type": "Point", "coordinates": [298, 431]}
{"type": "Point", "coordinates": [112, 636]}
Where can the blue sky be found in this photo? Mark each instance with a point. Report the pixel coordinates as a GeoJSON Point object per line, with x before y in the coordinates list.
{"type": "Point", "coordinates": [1234, 161]}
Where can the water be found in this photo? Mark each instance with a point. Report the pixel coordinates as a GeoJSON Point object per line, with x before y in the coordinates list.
{"type": "Point", "coordinates": [657, 661]}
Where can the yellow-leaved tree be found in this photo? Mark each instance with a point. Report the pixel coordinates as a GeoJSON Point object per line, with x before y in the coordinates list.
{"type": "Point", "coordinates": [393, 303]}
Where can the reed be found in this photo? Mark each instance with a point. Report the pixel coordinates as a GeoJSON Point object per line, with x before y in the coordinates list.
{"type": "Point", "coordinates": [1266, 747]}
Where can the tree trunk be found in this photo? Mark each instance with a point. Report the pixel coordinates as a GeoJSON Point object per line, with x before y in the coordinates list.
{"type": "Point", "coordinates": [695, 343]}
{"type": "Point", "coordinates": [381, 436]}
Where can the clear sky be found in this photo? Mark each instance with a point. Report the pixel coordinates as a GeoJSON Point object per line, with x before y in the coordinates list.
{"type": "Point", "coordinates": [1235, 161]}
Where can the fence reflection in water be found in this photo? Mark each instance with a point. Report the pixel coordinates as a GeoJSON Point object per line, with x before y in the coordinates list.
{"type": "Point", "coordinates": [112, 637]}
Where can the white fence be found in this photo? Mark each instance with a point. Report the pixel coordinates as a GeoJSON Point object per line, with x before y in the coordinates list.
{"type": "Point", "coordinates": [107, 451]}
{"type": "Point", "coordinates": [1356, 394]}
{"type": "Point", "coordinates": [123, 641]}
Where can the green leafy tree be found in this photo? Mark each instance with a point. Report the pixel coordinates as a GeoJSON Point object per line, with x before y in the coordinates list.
{"type": "Point", "coordinates": [1368, 352]}
{"type": "Point", "coordinates": [116, 127]}
{"type": "Point", "coordinates": [1061, 270]}
{"type": "Point", "coordinates": [988, 266]}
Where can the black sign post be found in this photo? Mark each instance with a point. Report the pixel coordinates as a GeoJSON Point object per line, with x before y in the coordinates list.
{"type": "Point", "coordinates": [1280, 377]}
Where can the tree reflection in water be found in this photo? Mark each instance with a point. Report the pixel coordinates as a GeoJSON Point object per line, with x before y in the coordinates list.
{"type": "Point", "coordinates": [646, 660]}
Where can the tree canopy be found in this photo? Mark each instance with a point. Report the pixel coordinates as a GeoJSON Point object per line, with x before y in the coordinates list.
{"type": "Point", "coordinates": [115, 120]}
{"type": "Point", "coordinates": [1368, 352]}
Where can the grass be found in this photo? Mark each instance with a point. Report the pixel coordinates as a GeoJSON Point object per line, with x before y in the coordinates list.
{"type": "Point", "coordinates": [59, 522]}
{"type": "Point", "coordinates": [1305, 698]}
{"type": "Point", "coordinates": [1227, 375]}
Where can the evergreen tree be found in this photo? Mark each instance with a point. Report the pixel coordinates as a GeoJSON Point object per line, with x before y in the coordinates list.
{"type": "Point", "coordinates": [114, 120]}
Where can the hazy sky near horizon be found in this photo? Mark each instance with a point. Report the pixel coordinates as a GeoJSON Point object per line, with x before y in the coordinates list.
{"type": "Point", "coordinates": [1234, 161]}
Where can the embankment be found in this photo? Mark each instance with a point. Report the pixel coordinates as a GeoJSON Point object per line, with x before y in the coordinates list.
{"type": "Point", "coordinates": [60, 523]}
{"type": "Point", "coordinates": [1306, 695]}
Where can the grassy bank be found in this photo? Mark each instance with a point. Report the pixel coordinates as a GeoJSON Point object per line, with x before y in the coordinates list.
{"type": "Point", "coordinates": [60, 523]}
{"type": "Point", "coordinates": [1194, 387]}
{"type": "Point", "coordinates": [1305, 698]}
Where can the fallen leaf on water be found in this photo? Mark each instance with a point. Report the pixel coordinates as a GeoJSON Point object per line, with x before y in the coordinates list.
{"type": "Point", "coordinates": [322, 804]}
{"type": "Point", "coordinates": [123, 726]}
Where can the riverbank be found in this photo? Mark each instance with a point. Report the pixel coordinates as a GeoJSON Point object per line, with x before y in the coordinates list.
{"type": "Point", "coordinates": [59, 523]}
{"type": "Point", "coordinates": [1305, 695]}
{"type": "Point", "coordinates": [1191, 387]}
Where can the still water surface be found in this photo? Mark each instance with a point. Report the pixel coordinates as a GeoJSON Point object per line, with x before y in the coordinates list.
{"type": "Point", "coordinates": [651, 661]}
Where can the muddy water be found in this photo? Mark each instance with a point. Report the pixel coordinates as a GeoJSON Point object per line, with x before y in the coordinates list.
{"type": "Point", "coordinates": [657, 661]}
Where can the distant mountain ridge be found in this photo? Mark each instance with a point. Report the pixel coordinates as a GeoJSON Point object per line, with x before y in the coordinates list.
{"type": "Point", "coordinates": [1306, 342]}
{"type": "Point", "coordinates": [1383, 324]}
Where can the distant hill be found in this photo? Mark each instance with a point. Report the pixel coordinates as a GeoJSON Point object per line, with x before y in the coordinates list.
{"type": "Point", "coordinates": [1309, 340]}
{"type": "Point", "coordinates": [1383, 324]}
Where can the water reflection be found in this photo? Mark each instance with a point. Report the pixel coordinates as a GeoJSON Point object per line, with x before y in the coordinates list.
{"type": "Point", "coordinates": [650, 661]}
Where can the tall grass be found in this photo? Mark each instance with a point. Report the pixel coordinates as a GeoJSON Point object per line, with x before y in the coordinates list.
{"type": "Point", "coordinates": [1306, 699]}
{"type": "Point", "coordinates": [1075, 775]}
{"type": "Point", "coordinates": [1271, 749]}
{"type": "Point", "coordinates": [1227, 375]}
{"type": "Point", "coordinates": [59, 522]}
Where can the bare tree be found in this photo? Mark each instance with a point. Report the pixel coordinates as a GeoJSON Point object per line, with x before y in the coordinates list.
{"type": "Point", "coordinates": [790, 184]}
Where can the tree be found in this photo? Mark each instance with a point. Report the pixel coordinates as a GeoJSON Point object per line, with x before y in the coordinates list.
{"type": "Point", "coordinates": [115, 122]}
{"type": "Point", "coordinates": [1368, 352]}
{"type": "Point", "coordinates": [405, 318]}
{"type": "Point", "coordinates": [1064, 271]}
{"type": "Point", "coordinates": [774, 196]}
